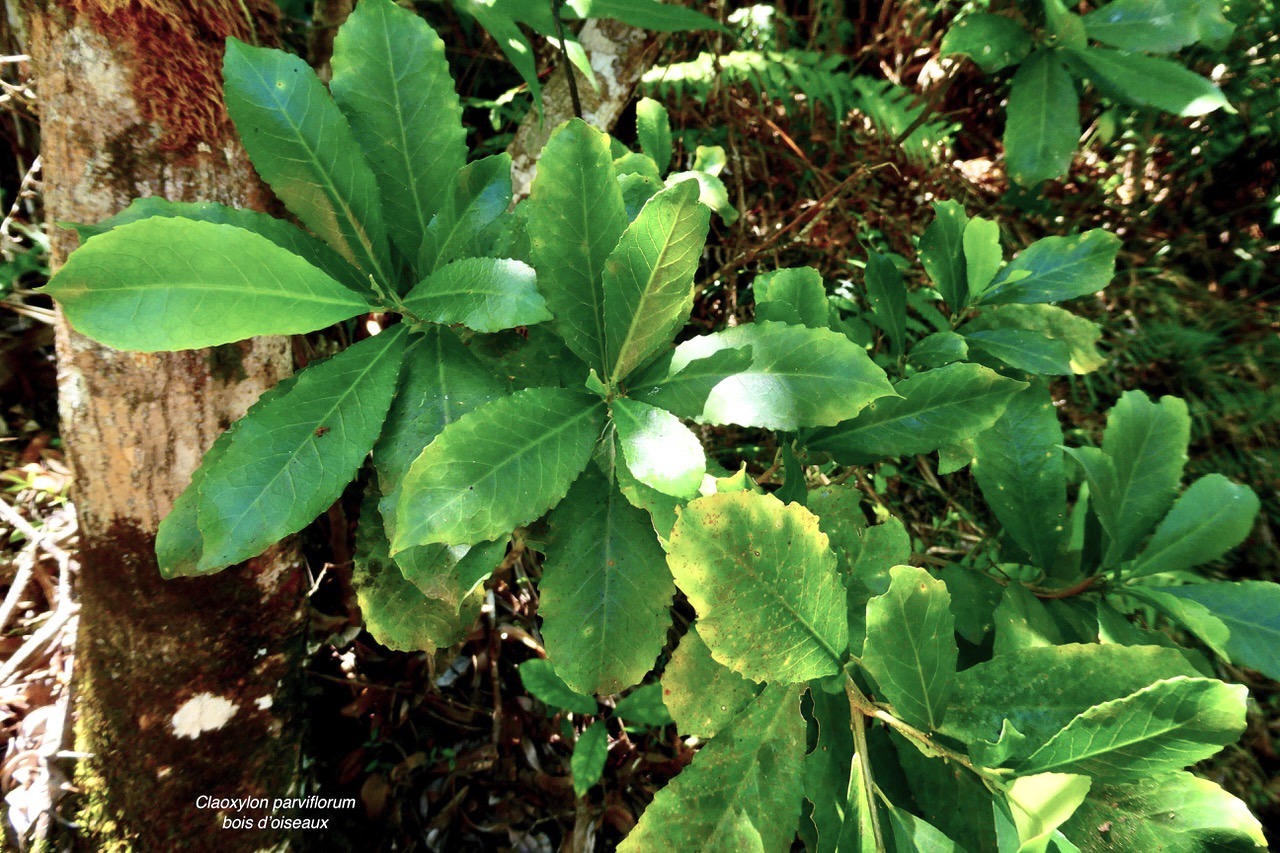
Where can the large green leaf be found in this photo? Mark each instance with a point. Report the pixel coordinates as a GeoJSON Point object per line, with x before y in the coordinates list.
{"type": "Point", "coordinates": [753, 567]}
{"type": "Point", "coordinates": [395, 611]}
{"type": "Point", "coordinates": [659, 450]}
{"type": "Point", "coordinates": [1167, 726]}
{"type": "Point", "coordinates": [685, 390]}
{"type": "Point", "coordinates": [992, 41]}
{"type": "Point", "coordinates": [743, 790]}
{"type": "Point", "coordinates": [542, 681]}
{"type": "Point", "coordinates": [648, 278]}
{"type": "Point", "coordinates": [1153, 26]}
{"type": "Point", "coordinates": [1210, 518]}
{"type": "Point", "coordinates": [500, 466]}
{"type": "Point", "coordinates": [295, 456]}
{"type": "Point", "coordinates": [391, 79]}
{"type": "Point", "coordinates": [653, 130]}
{"type": "Point", "coordinates": [605, 590]}
{"type": "Point", "coordinates": [942, 252]}
{"type": "Point", "coordinates": [643, 14]}
{"type": "Point", "coordinates": [1019, 469]}
{"type": "Point", "coordinates": [1147, 443]}
{"type": "Point", "coordinates": [661, 508]}
{"type": "Point", "coordinates": [1057, 268]}
{"type": "Point", "coordinates": [1042, 124]}
{"type": "Point", "coordinates": [911, 645]}
{"type": "Point", "coordinates": [484, 294]}
{"type": "Point", "coordinates": [178, 539]}
{"type": "Point", "coordinates": [1078, 334]}
{"type": "Point", "coordinates": [798, 377]}
{"type": "Point", "coordinates": [478, 195]}
{"type": "Point", "coordinates": [284, 234]}
{"type": "Point", "coordinates": [888, 297]}
{"type": "Point", "coordinates": [1040, 690]}
{"type": "Point", "coordinates": [935, 408]}
{"type": "Point", "coordinates": [1250, 611]}
{"type": "Point", "coordinates": [1150, 81]}
{"type": "Point", "coordinates": [794, 295]}
{"type": "Point", "coordinates": [703, 696]}
{"type": "Point", "coordinates": [169, 284]}
{"type": "Point", "coordinates": [1173, 813]}
{"type": "Point", "coordinates": [302, 146]}
{"type": "Point", "coordinates": [576, 217]}
{"type": "Point", "coordinates": [1021, 349]}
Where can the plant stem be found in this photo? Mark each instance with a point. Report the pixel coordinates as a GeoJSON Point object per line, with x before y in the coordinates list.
{"type": "Point", "coordinates": [556, 6]}
{"type": "Point", "coordinates": [864, 760]}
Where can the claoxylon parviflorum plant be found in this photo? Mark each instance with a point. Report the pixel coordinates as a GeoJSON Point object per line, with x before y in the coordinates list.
{"type": "Point", "coordinates": [1050, 49]}
{"type": "Point", "coordinates": [1018, 699]}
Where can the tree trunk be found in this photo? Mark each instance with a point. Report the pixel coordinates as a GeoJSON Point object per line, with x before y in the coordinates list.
{"type": "Point", "coordinates": [187, 687]}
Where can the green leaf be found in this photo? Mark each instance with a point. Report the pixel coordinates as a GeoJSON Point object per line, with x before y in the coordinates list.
{"type": "Point", "coordinates": [605, 589]}
{"type": "Point", "coordinates": [1147, 442]}
{"type": "Point", "coordinates": [170, 284]}
{"type": "Point", "coordinates": [661, 508]}
{"type": "Point", "coordinates": [653, 129]}
{"type": "Point", "coordinates": [911, 645]}
{"type": "Point", "coordinates": [1019, 467]}
{"type": "Point", "coordinates": [1079, 335]}
{"type": "Point", "coordinates": [685, 390]}
{"type": "Point", "coordinates": [1149, 81]}
{"type": "Point", "coordinates": [1151, 26]}
{"type": "Point", "coordinates": [589, 755]}
{"type": "Point", "coordinates": [1167, 726]}
{"type": "Point", "coordinates": [702, 695]}
{"type": "Point", "coordinates": [911, 834]}
{"type": "Point", "coordinates": [1022, 621]}
{"type": "Point", "coordinates": [942, 252]}
{"type": "Point", "coordinates": [484, 294]}
{"type": "Point", "coordinates": [1250, 610]}
{"type": "Point", "coordinates": [395, 611]}
{"type": "Point", "coordinates": [294, 458]}
{"type": "Point", "coordinates": [1174, 813]}
{"type": "Point", "coordinates": [648, 278]}
{"type": "Point", "coordinates": [450, 573]}
{"type": "Point", "coordinates": [1210, 518]}
{"type": "Point", "coordinates": [660, 451]}
{"type": "Point", "coordinates": [391, 79]}
{"type": "Point", "coordinates": [498, 467]}
{"type": "Point", "coordinates": [478, 195]}
{"type": "Point", "coordinates": [953, 457]}
{"type": "Point", "coordinates": [440, 382]}
{"type": "Point", "coordinates": [1057, 268]}
{"type": "Point", "coordinates": [303, 148]}
{"type": "Point", "coordinates": [178, 540]}
{"type": "Point", "coordinates": [939, 349]}
{"type": "Point", "coordinates": [1066, 29]}
{"type": "Point", "coordinates": [991, 41]}
{"type": "Point", "coordinates": [742, 791]}
{"type": "Point", "coordinates": [643, 14]}
{"type": "Point", "coordinates": [644, 706]}
{"type": "Point", "coordinates": [1022, 349]}
{"type": "Point", "coordinates": [888, 297]}
{"type": "Point", "coordinates": [935, 408]}
{"type": "Point", "coordinates": [633, 163]}
{"type": "Point", "coordinates": [1040, 804]}
{"type": "Point", "coordinates": [795, 295]}
{"type": "Point", "coordinates": [826, 776]}
{"type": "Point", "coordinates": [797, 377]}
{"type": "Point", "coordinates": [1042, 124]}
{"type": "Point", "coordinates": [1040, 690]}
{"type": "Point", "coordinates": [753, 567]}
{"type": "Point", "coordinates": [711, 192]}
{"type": "Point", "coordinates": [504, 31]}
{"type": "Point", "coordinates": [1195, 617]}
{"type": "Point", "coordinates": [576, 217]}
{"type": "Point", "coordinates": [636, 191]}
{"type": "Point", "coordinates": [955, 802]}
{"type": "Point", "coordinates": [284, 234]}
{"type": "Point", "coordinates": [539, 677]}
{"type": "Point", "coordinates": [982, 254]}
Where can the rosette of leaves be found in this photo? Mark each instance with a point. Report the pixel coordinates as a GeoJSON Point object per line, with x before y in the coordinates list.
{"type": "Point", "coordinates": [392, 219]}
{"type": "Point", "coordinates": [845, 696]}
{"type": "Point", "coordinates": [1119, 47]}
{"type": "Point", "coordinates": [609, 456]}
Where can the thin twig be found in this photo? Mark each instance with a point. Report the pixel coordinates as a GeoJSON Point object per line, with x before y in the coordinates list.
{"type": "Point", "coordinates": [556, 6]}
{"type": "Point", "coordinates": [24, 527]}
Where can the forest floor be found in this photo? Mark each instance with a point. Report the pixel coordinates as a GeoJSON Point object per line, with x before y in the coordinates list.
{"type": "Point", "coordinates": [448, 751]}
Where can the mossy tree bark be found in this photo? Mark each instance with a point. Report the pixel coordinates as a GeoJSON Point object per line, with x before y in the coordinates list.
{"type": "Point", "coordinates": [186, 687]}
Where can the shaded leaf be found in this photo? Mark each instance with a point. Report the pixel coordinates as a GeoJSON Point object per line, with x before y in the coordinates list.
{"type": "Point", "coordinates": [1057, 268]}
{"type": "Point", "coordinates": [589, 755]}
{"type": "Point", "coordinates": [539, 677]}
{"type": "Point", "coordinates": [942, 252]}
{"type": "Point", "coordinates": [1150, 81]}
{"type": "Point", "coordinates": [795, 295]}
{"type": "Point", "coordinates": [1210, 518]}
{"type": "Point", "coordinates": [992, 41]}
{"type": "Point", "coordinates": [1042, 124]}
{"type": "Point", "coordinates": [888, 297]}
